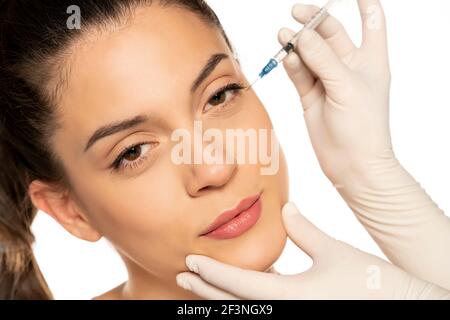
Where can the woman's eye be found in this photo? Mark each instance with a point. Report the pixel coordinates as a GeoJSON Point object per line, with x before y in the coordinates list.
{"type": "Point", "coordinates": [223, 96]}
{"type": "Point", "coordinates": [219, 98]}
{"type": "Point", "coordinates": [132, 156]}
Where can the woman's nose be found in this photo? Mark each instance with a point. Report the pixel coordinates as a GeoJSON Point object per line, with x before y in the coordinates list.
{"type": "Point", "coordinates": [206, 177]}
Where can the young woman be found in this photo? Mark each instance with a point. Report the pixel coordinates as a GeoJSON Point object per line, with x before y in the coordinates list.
{"type": "Point", "coordinates": [87, 117]}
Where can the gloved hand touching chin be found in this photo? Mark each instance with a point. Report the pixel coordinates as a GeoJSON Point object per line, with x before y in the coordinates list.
{"type": "Point", "coordinates": [339, 271]}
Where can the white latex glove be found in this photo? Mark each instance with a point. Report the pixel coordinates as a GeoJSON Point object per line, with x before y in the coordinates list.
{"type": "Point", "coordinates": [344, 89]}
{"type": "Point", "coordinates": [339, 271]}
{"type": "Point", "coordinates": [345, 95]}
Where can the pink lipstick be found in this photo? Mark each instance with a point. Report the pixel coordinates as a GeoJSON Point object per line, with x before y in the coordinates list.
{"type": "Point", "coordinates": [236, 221]}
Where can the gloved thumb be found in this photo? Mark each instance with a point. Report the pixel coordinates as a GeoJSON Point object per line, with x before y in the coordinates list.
{"type": "Point", "coordinates": [302, 232]}
{"type": "Point", "coordinates": [320, 58]}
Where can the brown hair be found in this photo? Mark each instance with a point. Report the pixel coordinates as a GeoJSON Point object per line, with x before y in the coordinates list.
{"type": "Point", "coordinates": [34, 38]}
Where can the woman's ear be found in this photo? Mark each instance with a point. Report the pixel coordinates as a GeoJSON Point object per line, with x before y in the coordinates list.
{"type": "Point", "coordinates": [58, 203]}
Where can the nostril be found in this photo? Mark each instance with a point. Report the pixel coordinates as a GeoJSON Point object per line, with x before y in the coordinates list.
{"type": "Point", "coordinates": [206, 188]}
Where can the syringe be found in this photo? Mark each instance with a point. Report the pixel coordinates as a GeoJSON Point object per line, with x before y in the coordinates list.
{"type": "Point", "coordinates": [317, 19]}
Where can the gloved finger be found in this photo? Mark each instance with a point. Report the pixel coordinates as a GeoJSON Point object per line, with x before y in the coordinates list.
{"type": "Point", "coordinates": [330, 29]}
{"type": "Point", "coordinates": [374, 26]}
{"type": "Point", "coordinates": [322, 60]}
{"type": "Point", "coordinates": [302, 232]}
{"type": "Point", "coordinates": [194, 283]}
{"type": "Point", "coordinates": [272, 270]}
{"type": "Point", "coordinates": [244, 283]}
{"type": "Point", "coordinates": [296, 70]}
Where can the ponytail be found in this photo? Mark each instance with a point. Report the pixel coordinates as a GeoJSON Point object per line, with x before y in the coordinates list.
{"type": "Point", "coordinates": [20, 277]}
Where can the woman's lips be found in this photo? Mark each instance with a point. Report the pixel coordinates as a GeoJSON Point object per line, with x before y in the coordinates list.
{"type": "Point", "coordinates": [233, 223]}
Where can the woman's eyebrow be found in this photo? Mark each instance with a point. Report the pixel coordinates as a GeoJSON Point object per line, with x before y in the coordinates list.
{"type": "Point", "coordinates": [115, 128]}
{"type": "Point", "coordinates": [212, 63]}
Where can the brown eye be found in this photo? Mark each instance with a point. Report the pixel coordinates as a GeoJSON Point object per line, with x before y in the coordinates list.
{"type": "Point", "coordinates": [133, 153]}
{"type": "Point", "coordinates": [223, 96]}
{"type": "Point", "coordinates": [218, 98]}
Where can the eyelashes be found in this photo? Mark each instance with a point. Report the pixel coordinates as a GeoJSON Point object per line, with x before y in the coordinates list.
{"type": "Point", "coordinates": [220, 99]}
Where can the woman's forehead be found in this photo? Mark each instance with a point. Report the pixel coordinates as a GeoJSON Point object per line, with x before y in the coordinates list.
{"type": "Point", "coordinates": [148, 62]}
{"type": "Point", "coordinates": [158, 43]}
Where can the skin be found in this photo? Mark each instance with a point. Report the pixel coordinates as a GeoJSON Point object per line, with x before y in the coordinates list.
{"type": "Point", "coordinates": [153, 214]}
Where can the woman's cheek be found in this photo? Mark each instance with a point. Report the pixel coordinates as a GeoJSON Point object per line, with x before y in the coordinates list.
{"type": "Point", "coordinates": [133, 204]}
{"type": "Point", "coordinates": [146, 205]}
{"type": "Point", "coordinates": [147, 231]}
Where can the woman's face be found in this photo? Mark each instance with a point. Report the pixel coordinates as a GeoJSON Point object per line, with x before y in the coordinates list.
{"type": "Point", "coordinates": [151, 208]}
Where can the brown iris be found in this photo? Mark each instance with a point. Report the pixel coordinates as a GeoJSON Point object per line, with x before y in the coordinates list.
{"type": "Point", "coordinates": [133, 153]}
{"type": "Point", "coordinates": [218, 99]}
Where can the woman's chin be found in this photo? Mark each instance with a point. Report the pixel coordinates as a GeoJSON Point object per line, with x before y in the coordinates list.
{"type": "Point", "coordinates": [257, 249]}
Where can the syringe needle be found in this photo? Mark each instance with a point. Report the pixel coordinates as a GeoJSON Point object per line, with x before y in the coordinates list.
{"type": "Point", "coordinates": [251, 85]}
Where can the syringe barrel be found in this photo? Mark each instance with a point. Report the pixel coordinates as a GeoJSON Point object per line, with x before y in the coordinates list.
{"type": "Point", "coordinates": [317, 19]}
{"type": "Point", "coordinates": [281, 54]}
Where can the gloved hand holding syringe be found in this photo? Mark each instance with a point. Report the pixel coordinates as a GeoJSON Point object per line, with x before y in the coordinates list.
{"type": "Point", "coordinates": [316, 20]}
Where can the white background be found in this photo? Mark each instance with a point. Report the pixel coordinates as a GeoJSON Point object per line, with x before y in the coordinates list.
{"type": "Point", "coordinates": [419, 33]}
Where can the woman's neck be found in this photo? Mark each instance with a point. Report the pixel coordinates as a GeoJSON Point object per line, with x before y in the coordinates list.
{"type": "Point", "coordinates": [146, 289]}
{"type": "Point", "coordinates": [143, 285]}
